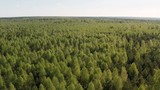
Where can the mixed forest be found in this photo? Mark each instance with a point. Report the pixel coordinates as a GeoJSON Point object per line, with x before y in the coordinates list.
{"type": "Point", "coordinates": [63, 53]}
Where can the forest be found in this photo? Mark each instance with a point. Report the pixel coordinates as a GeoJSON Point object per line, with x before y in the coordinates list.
{"type": "Point", "coordinates": [79, 53]}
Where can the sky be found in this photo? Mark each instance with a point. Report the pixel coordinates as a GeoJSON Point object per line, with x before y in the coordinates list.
{"type": "Point", "coordinates": [113, 8]}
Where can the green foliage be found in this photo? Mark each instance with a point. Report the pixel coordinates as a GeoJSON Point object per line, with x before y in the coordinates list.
{"type": "Point", "coordinates": [84, 77]}
{"type": "Point", "coordinates": [71, 87]}
{"type": "Point", "coordinates": [124, 74]}
{"type": "Point", "coordinates": [142, 87]}
{"type": "Point", "coordinates": [133, 71]}
{"type": "Point", "coordinates": [79, 87]}
{"type": "Point", "coordinates": [117, 83]}
{"type": "Point", "coordinates": [48, 84]}
{"type": "Point", "coordinates": [91, 86]}
{"type": "Point", "coordinates": [157, 80]}
{"type": "Point", "coordinates": [54, 53]}
{"type": "Point", "coordinates": [41, 87]}
{"type": "Point", "coordinates": [98, 85]}
{"type": "Point", "coordinates": [108, 76]}
{"type": "Point", "coordinates": [11, 87]}
{"type": "Point", "coordinates": [2, 84]}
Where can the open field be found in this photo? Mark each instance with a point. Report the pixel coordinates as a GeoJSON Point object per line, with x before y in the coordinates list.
{"type": "Point", "coordinates": [79, 53]}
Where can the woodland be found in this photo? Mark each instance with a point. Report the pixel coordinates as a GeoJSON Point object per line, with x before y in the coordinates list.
{"type": "Point", "coordinates": [79, 53]}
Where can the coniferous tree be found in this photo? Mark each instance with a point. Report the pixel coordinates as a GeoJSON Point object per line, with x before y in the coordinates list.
{"type": "Point", "coordinates": [117, 83]}
{"type": "Point", "coordinates": [11, 87]}
{"type": "Point", "coordinates": [48, 84]}
{"type": "Point", "coordinates": [55, 82]}
{"type": "Point", "coordinates": [98, 85]}
{"type": "Point", "coordinates": [157, 80]}
{"type": "Point", "coordinates": [84, 77]}
{"type": "Point", "coordinates": [2, 84]}
{"type": "Point", "coordinates": [79, 87]}
{"type": "Point", "coordinates": [124, 74]}
{"type": "Point", "coordinates": [71, 87]}
{"type": "Point", "coordinates": [41, 87]}
{"type": "Point", "coordinates": [91, 86]}
{"type": "Point", "coordinates": [133, 71]}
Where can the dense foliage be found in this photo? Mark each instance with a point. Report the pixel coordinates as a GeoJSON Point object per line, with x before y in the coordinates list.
{"type": "Point", "coordinates": [79, 54]}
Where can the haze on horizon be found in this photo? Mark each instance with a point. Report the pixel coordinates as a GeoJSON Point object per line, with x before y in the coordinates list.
{"type": "Point", "coordinates": [115, 8]}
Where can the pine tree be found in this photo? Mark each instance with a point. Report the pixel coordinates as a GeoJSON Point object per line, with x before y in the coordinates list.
{"type": "Point", "coordinates": [41, 87]}
{"type": "Point", "coordinates": [142, 87]}
{"type": "Point", "coordinates": [74, 79]}
{"type": "Point", "coordinates": [84, 75]}
{"type": "Point", "coordinates": [124, 74]}
{"type": "Point", "coordinates": [79, 87]}
{"type": "Point", "coordinates": [97, 84]}
{"type": "Point", "coordinates": [42, 71]}
{"type": "Point", "coordinates": [117, 83]}
{"type": "Point", "coordinates": [108, 76]}
{"type": "Point", "coordinates": [156, 79]}
{"type": "Point", "coordinates": [34, 87]}
{"type": "Point", "coordinates": [133, 71]}
{"type": "Point", "coordinates": [62, 86]}
{"type": "Point", "coordinates": [116, 58]}
{"type": "Point", "coordinates": [137, 57]}
{"type": "Point", "coordinates": [71, 87]}
{"type": "Point", "coordinates": [108, 60]}
{"type": "Point", "coordinates": [11, 87]}
{"type": "Point", "coordinates": [48, 84]}
{"type": "Point", "coordinates": [55, 82]}
{"type": "Point", "coordinates": [20, 83]}
{"type": "Point", "coordinates": [1, 82]}
{"type": "Point", "coordinates": [75, 66]}
{"type": "Point", "coordinates": [91, 86]}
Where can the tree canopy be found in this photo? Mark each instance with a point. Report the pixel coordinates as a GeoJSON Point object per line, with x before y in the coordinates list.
{"type": "Point", "coordinates": [64, 53]}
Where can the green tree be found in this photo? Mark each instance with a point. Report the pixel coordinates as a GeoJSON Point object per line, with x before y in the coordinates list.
{"type": "Point", "coordinates": [84, 75]}
{"type": "Point", "coordinates": [48, 84]}
{"type": "Point", "coordinates": [142, 87]}
{"type": "Point", "coordinates": [42, 71]}
{"type": "Point", "coordinates": [123, 57]}
{"type": "Point", "coordinates": [20, 83]}
{"type": "Point", "coordinates": [98, 85]}
{"type": "Point", "coordinates": [137, 57]}
{"type": "Point", "coordinates": [124, 74]}
{"type": "Point", "coordinates": [79, 87]}
{"type": "Point", "coordinates": [91, 86]}
{"type": "Point", "coordinates": [108, 76]}
{"type": "Point", "coordinates": [156, 79]}
{"type": "Point", "coordinates": [62, 86]}
{"type": "Point", "coordinates": [108, 60]}
{"type": "Point", "coordinates": [41, 87]}
{"type": "Point", "coordinates": [34, 87]}
{"type": "Point", "coordinates": [11, 87]}
{"type": "Point", "coordinates": [75, 67]}
{"type": "Point", "coordinates": [133, 71]}
{"type": "Point", "coordinates": [55, 82]}
{"type": "Point", "coordinates": [2, 84]}
{"type": "Point", "coordinates": [71, 87]}
{"type": "Point", "coordinates": [116, 58]}
{"type": "Point", "coordinates": [117, 83]}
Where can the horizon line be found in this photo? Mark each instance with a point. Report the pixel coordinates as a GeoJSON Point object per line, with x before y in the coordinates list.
{"type": "Point", "coordinates": [76, 16]}
{"type": "Point", "coordinates": [118, 17]}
